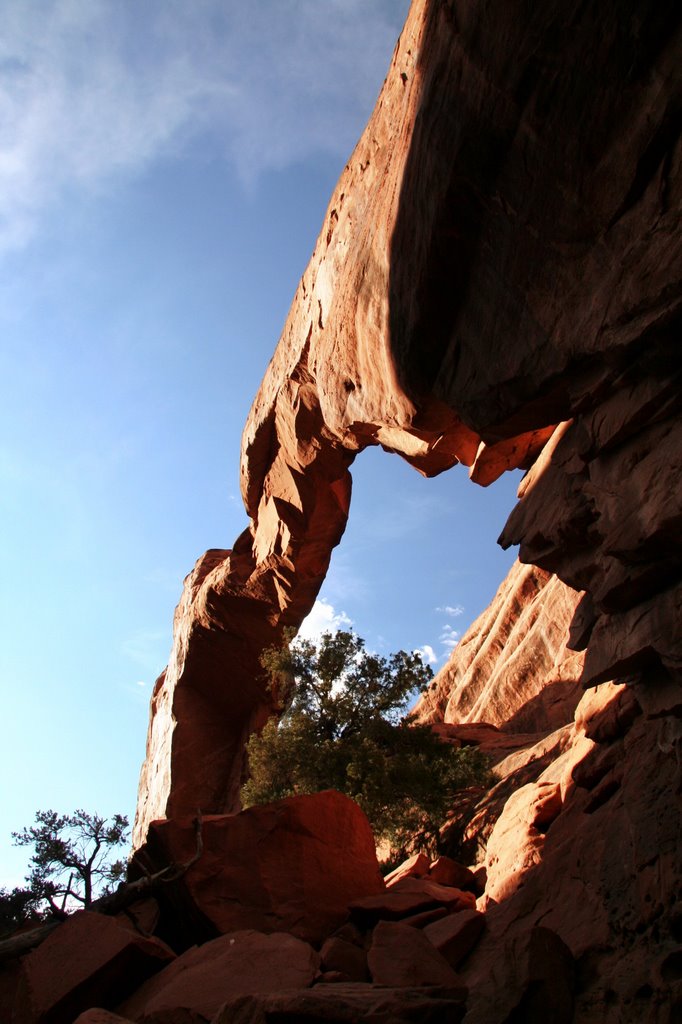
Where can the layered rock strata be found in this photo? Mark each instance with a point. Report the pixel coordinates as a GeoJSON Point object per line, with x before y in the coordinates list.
{"type": "Point", "coordinates": [502, 254]}
{"type": "Point", "coordinates": [512, 669]}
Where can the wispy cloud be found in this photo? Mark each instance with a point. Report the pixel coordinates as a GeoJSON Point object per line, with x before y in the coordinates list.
{"type": "Point", "coordinates": [148, 649]}
{"type": "Point", "coordinates": [453, 611]}
{"type": "Point", "coordinates": [323, 619]}
{"type": "Point", "coordinates": [449, 637]}
{"type": "Point", "coordinates": [94, 90]}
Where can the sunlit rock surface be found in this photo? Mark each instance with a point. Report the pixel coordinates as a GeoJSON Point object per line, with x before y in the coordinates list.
{"type": "Point", "coordinates": [512, 669]}
{"type": "Point", "coordinates": [497, 282]}
{"type": "Point", "coordinates": [501, 255]}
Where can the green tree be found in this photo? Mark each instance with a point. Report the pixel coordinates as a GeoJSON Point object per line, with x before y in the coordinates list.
{"type": "Point", "coordinates": [343, 725]}
{"type": "Point", "coordinates": [72, 860]}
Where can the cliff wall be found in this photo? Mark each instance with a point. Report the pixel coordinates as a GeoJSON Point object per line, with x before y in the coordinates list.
{"type": "Point", "coordinates": [497, 282]}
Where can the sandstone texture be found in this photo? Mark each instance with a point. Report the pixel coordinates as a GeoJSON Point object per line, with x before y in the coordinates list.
{"type": "Point", "coordinates": [497, 276]}
{"type": "Point", "coordinates": [90, 960]}
{"type": "Point", "coordinates": [291, 866]}
{"type": "Point", "coordinates": [498, 282]}
{"type": "Point", "coordinates": [233, 965]}
{"type": "Point", "coordinates": [296, 882]}
{"type": "Point", "coordinates": [512, 669]}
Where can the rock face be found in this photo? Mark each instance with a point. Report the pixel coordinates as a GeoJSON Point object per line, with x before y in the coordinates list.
{"type": "Point", "coordinates": [512, 668]}
{"type": "Point", "coordinates": [291, 866]}
{"type": "Point", "coordinates": [588, 846]}
{"type": "Point", "coordinates": [497, 282]}
{"type": "Point", "coordinates": [501, 255]}
{"type": "Point", "coordinates": [238, 964]}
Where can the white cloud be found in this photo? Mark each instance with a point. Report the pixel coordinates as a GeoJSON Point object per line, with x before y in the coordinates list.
{"type": "Point", "coordinates": [449, 637]}
{"type": "Point", "coordinates": [452, 610]}
{"type": "Point", "coordinates": [323, 619]}
{"type": "Point", "coordinates": [93, 90]}
{"type": "Point", "coordinates": [428, 655]}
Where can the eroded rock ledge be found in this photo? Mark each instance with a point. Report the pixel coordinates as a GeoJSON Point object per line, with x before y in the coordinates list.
{"type": "Point", "coordinates": [501, 255]}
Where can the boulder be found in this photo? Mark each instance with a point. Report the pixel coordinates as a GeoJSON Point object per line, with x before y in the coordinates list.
{"type": "Point", "coordinates": [404, 956]}
{"type": "Point", "coordinates": [90, 960]}
{"type": "Point", "coordinates": [294, 865]}
{"type": "Point", "coordinates": [446, 871]}
{"type": "Point", "coordinates": [238, 964]}
{"type": "Point", "coordinates": [345, 958]}
{"type": "Point", "coordinates": [414, 867]}
{"type": "Point", "coordinates": [425, 917]}
{"type": "Point", "coordinates": [531, 982]}
{"type": "Point", "coordinates": [141, 917]}
{"type": "Point", "coordinates": [390, 906]}
{"type": "Point", "coordinates": [455, 935]}
{"type": "Point", "coordinates": [446, 895]}
{"type": "Point", "coordinates": [347, 1004]}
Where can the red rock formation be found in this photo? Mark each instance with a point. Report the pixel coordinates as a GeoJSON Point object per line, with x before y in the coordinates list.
{"type": "Point", "coordinates": [501, 253]}
{"type": "Point", "coordinates": [511, 668]}
{"type": "Point", "coordinates": [294, 866]}
{"type": "Point", "coordinates": [90, 960]}
{"type": "Point", "coordinates": [237, 964]}
{"type": "Point", "coordinates": [400, 955]}
{"type": "Point", "coordinates": [309, 856]}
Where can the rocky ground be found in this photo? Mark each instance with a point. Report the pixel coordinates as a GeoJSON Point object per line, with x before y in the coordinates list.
{"type": "Point", "coordinates": [568, 910]}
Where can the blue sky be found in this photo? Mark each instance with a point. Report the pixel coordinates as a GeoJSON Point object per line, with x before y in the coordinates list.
{"type": "Point", "coordinates": [164, 171]}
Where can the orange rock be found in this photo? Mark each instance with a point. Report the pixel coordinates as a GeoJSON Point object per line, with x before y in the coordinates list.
{"type": "Point", "coordinates": [90, 960]}
{"type": "Point", "coordinates": [294, 865]}
{"type": "Point", "coordinates": [238, 964]}
{"type": "Point", "coordinates": [404, 956]}
{"type": "Point", "coordinates": [456, 935]}
{"type": "Point", "coordinates": [511, 669]}
{"type": "Point", "coordinates": [533, 981]}
{"type": "Point", "coordinates": [391, 906]}
{"type": "Point", "coordinates": [501, 254]}
{"type": "Point", "coordinates": [416, 867]}
{"type": "Point", "coordinates": [446, 871]}
{"type": "Point", "coordinates": [447, 895]}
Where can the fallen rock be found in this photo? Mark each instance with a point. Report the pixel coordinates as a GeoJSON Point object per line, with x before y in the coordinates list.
{"type": "Point", "coordinates": [390, 906]}
{"type": "Point", "coordinates": [446, 871]}
{"type": "Point", "coordinates": [447, 895]}
{"type": "Point", "coordinates": [238, 964]}
{"type": "Point", "coordinates": [402, 956]}
{"type": "Point", "coordinates": [425, 917]}
{"type": "Point", "coordinates": [414, 867]}
{"type": "Point", "coordinates": [141, 917]}
{"type": "Point", "coordinates": [528, 979]}
{"type": "Point", "coordinates": [455, 935]}
{"type": "Point", "coordinates": [347, 1004]}
{"type": "Point", "coordinates": [294, 865]}
{"type": "Point", "coordinates": [90, 960]}
{"type": "Point", "coordinates": [344, 958]}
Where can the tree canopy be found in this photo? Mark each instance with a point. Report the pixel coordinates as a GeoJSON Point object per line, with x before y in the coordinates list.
{"type": "Point", "coordinates": [72, 861]}
{"type": "Point", "coordinates": [343, 725]}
